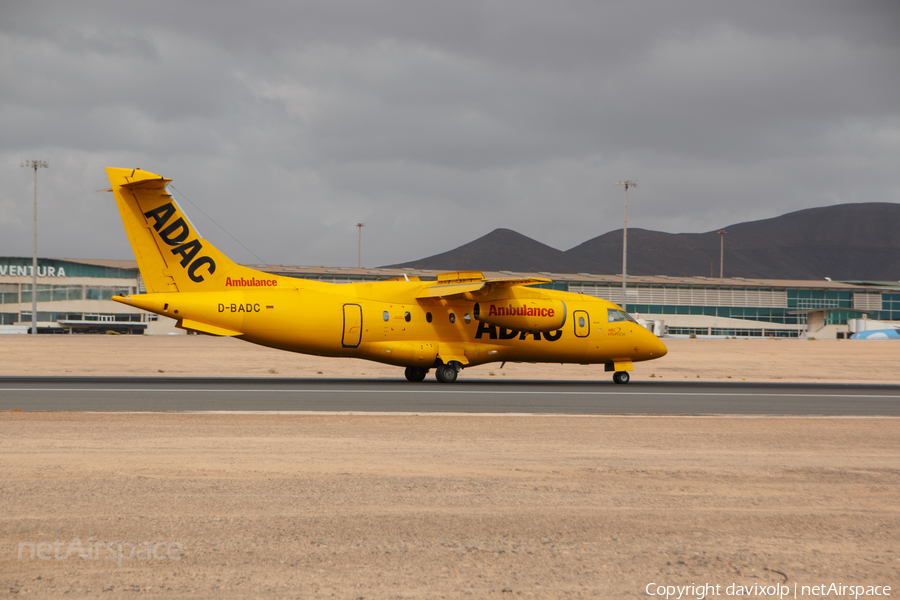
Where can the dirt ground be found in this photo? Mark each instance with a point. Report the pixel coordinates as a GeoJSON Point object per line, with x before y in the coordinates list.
{"type": "Point", "coordinates": [841, 361]}
{"type": "Point", "coordinates": [443, 507]}
{"type": "Point", "coordinates": [339, 506]}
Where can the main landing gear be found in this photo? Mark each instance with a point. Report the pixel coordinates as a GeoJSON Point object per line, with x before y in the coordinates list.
{"type": "Point", "coordinates": [621, 377]}
{"type": "Point", "coordinates": [447, 373]}
{"type": "Point", "coordinates": [444, 373]}
{"type": "Point", "coordinates": [416, 373]}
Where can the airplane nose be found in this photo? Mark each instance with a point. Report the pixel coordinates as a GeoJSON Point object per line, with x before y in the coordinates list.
{"type": "Point", "coordinates": [659, 349]}
{"type": "Point", "coordinates": [651, 346]}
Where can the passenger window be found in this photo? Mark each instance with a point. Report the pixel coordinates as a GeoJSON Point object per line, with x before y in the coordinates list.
{"type": "Point", "coordinates": [407, 316]}
{"type": "Point", "coordinates": [428, 317]}
{"type": "Point", "coordinates": [467, 318]}
{"type": "Point", "coordinates": [581, 321]}
{"type": "Point", "coordinates": [385, 315]}
{"type": "Point", "coordinates": [452, 318]}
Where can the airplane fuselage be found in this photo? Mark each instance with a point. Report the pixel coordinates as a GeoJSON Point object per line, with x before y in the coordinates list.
{"type": "Point", "coordinates": [382, 321]}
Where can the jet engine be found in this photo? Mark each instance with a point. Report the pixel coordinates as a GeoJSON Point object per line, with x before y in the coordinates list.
{"type": "Point", "coordinates": [522, 314]}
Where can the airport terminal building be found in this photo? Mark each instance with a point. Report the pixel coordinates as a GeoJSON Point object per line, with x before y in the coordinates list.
{"type": "Point", "coordinates": [699, 306]}
{"type": "Point", "coordinates": [74, 296]}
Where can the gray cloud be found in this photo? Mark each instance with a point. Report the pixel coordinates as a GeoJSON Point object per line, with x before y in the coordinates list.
{"type": "Point", "coordinates": [435, 123]}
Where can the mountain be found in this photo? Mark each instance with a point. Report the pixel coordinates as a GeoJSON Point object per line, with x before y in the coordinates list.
{"type": "Point", "coordinates": [846, 241]}
{"type": "Point", "coordinates": [500, 250]}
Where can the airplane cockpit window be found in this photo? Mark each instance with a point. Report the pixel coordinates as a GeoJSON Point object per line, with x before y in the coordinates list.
{"type": "Point", "coordinates": [616, 315]}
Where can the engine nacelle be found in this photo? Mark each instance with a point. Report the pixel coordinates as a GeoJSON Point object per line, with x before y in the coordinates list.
{"type": "Point", "coordinates": [403, 354]}
{"type": "Point", "coordinates": [522, 314]}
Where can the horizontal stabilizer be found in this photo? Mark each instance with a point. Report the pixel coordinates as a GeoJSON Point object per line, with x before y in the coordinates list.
{"type": "Point", "coordinates": [155, 182]}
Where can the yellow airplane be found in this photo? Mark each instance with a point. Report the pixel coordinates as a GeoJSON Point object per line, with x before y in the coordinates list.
{"type": "Point", "coordinates": [461, 320]}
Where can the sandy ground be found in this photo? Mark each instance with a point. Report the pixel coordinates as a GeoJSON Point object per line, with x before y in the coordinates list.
{"type": "Point", "coordinates": [203, 356]}
{"type": "Point", "coordinates": [291, 506]}
{"type": "Point", "coordinates": [444, 507]}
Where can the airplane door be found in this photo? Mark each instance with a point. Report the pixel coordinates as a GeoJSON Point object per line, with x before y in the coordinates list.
{"type": "Point", "coordinates": [582, 323]}
{"type": "Point", "coordinates": [352, 325]}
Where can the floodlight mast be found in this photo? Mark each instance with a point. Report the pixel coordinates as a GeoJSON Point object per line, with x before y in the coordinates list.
{"type": "Point", "coordinates": [628, 183]}
{"type": "Point", "coordinates": [359, 248]}
{"type": "Point", "coordinates": [34, 164]}
{"type": "Point", "coordinates": [722, 233]}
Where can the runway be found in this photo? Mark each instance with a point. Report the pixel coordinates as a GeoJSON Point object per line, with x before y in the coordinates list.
{"type": "Point", "coordinates": [115, 394]}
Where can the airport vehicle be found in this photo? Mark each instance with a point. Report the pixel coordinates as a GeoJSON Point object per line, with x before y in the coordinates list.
{"type": "Point", "coordinates": [461, 320]}
{"type": "Point", "coordinates": [877, 334]}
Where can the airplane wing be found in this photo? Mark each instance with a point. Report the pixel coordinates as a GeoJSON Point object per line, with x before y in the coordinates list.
{"type": "Point", "coordinates": [450, 290]}
{"type": "Point", "coordinates": [477, 290]}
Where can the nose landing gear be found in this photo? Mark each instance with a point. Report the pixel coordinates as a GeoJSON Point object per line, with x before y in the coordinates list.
{"type": "Point", "coordinates": [621, 377]}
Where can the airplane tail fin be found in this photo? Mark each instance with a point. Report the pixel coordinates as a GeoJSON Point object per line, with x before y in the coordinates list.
{"type": "Point", "coordinates": [170, 254]}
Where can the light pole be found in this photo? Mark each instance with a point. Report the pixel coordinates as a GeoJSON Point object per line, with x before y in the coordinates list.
{"type": "Point", "coordinates": [34, 164]}
{"type": "Point", "coordinates": [629, 183]}
{"type": "Point", "coordinates": [722, 233]}
{"type": "Point", "coordinates": [359, 252]}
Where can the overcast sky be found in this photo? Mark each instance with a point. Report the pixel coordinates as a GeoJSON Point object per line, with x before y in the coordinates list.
{"type": "Point", "coordinates": [436, 122]}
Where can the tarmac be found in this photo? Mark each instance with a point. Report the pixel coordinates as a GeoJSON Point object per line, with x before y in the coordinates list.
{"type": "Point", "coordinates": [722, 360]}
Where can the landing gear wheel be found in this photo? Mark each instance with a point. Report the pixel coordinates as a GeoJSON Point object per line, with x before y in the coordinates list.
{"type": "Point", "coordinates": [446, 373]}
{"type": "Point", "coordinates": [621, 377]}
{"type": "Point", "coordinates": [415, 373]}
